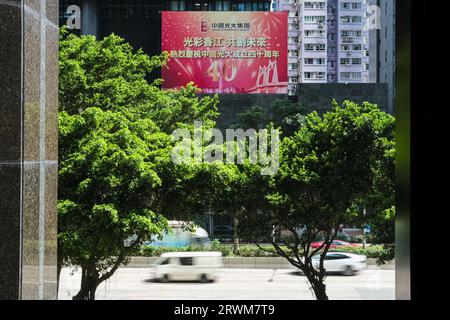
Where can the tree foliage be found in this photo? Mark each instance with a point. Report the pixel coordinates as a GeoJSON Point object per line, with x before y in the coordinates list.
{"type": "Point", "coordinates": [116, 177]}
{"type": "Point", "coordinates": [326, 167]}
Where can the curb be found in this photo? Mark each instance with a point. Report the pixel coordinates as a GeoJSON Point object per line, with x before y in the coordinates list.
{"type": "Point", "coordinates": [249, 263]}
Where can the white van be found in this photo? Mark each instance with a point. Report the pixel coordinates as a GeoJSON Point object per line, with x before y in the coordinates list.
{"type": "Point", "coordinates": [187, 266]}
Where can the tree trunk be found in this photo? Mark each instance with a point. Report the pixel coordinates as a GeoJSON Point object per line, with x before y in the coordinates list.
{"type": "Point", "coordinates": [318, 287]}
{"type": "Point", "coordinates": [58, 272]}
{"type": "Point", "coordinates": [89, 284]}
{"type": "Point", "coordinates": [317, 282]}
{"type": "Point", "coordinates": [235, 236]}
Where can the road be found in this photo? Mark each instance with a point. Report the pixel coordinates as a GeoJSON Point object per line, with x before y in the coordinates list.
{"type": "Point", "coordinates": [240, 284]}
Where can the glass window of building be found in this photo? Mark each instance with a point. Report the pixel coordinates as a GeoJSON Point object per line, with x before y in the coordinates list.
{"type": "Point", "coordinates": [222, 6]}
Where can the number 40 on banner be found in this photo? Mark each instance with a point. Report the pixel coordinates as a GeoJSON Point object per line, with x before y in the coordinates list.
{"type": "Point", "coordinates": [219, 69]}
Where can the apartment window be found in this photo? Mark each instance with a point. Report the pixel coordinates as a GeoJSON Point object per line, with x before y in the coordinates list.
{"type": "Point", "coordinates": [345, 61]}
{"type": "Point", "coordinates": [314, 33]}
{"type": "Point", "coordinates": [351, 19]}
{"type": "Point", "coordinates": [314, 75]}
{"type": "Point", "coordinates": [314, 61]}
{"type": "Point", "coordinates": [314, 19]}
{"type": "Point", "coordinates": [350, 33]}
{"type": "Point", "coordinates": [345, 5]}
{"type": "Point", "coordinates": [314, 46]}
{"type": "Point", "coordinates": [356, 61]}
{"type": "Point", "coordinates": [351, 5]}
{"type": "Point", "coordinates": [314, 5]}
{"type": "Point", "coordinates": [351, 75]}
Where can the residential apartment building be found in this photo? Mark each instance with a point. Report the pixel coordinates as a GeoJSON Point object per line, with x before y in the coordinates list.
{"type": "Point", "coordinates": [341, 41]}
{"type": "Point", "coordinates": [328, 41]}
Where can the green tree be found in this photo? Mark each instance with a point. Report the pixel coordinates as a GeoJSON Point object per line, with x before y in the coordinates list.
{"type": "Point", "coordinates": [115, 170]}
{"type": "Point", "coordinates": [379, 202]}
{"type": "Point", "coordinates": [326, 167]}
{"type": "Point", "coordinates": [107, 187]}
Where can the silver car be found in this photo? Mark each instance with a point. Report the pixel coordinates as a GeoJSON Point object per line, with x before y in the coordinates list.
{"type": "Point", "coordinates": [342, 262]}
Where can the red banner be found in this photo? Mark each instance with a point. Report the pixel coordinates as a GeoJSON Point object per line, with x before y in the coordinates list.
{"type": "Point", "coordinates": [226, 52]}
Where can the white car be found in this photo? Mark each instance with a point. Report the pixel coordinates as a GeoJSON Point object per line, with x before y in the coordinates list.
{"type": "Point", "coordinates": [342, 262]}
{"type": "Point", "coordinates": [187, 266]}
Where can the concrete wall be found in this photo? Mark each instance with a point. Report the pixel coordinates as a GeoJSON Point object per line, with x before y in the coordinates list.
{"type": "Point", "coordinates": [318, 97]}
{"type": "Point", "coordinates": [232, 104]}
{"type": "Point", "coordinates": [245, 263]}
{"type": "Point", "coordinates": [315, 97]}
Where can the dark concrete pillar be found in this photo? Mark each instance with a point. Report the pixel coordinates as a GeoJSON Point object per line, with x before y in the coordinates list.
{"type": "Point", "coordinates": [28, 148]}
{"type": "Point", "coordinates": [89, 17]}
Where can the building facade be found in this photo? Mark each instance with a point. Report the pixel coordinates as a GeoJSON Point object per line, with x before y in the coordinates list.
{"type": "Point", "coordinates": [328, 41]}
{"type": "Point", "coordinates": [139, 21]}
{"type": "Point", "coordinates": [341, 41]}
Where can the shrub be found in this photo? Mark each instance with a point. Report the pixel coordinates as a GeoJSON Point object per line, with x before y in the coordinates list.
{"type": "Point", "coordinates": [249, 250]}
{"type": "Point", "coordinates": [225, 249]}
{"type": "Point", "coordinates": [380, 252]}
